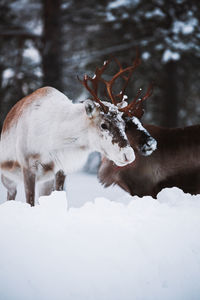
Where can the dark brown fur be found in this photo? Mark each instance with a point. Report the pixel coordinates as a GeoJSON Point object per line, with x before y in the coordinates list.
{"type": "Point", "coordinates": [175, 162]}
{"type": "Point", "coordinates": [60, 180]}
{"type": "Point", "coordinates": [48, 167]}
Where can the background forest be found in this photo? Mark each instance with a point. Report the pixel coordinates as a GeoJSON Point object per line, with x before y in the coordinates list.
{"type": "Point", "coordinates": [51, 42]}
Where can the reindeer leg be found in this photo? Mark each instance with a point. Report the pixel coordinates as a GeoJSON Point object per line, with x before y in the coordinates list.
{"type": "Point", "coordinates": [29, 186]}
{"type": "Point", "coordinates": [10, 186]}
{"type": "Point", "coordinates": [46, 188]}
{"type": "Point", "coordinates": [60, 180]}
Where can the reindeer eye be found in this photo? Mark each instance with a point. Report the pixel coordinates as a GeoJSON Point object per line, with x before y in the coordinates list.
{"type": "Point", "coordinates": [104, 126]}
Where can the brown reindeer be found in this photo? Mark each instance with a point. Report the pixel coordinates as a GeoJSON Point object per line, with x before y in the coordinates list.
{"type": "Point", "coordinates": [175, 162]}
{"type": "Point", "coordinates": [45, 136]}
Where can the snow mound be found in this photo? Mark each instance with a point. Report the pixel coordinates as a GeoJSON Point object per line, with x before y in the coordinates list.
{"type": "Point", "coordinates": [105, 250]}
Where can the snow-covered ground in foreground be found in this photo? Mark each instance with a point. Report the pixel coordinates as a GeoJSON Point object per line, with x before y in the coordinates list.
{"type": "Point", "coordinates": [131, 248]}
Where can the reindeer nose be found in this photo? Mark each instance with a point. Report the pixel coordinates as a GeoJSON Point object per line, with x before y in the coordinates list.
{"type": "Point", "coordinates": [125, 158]}
{"type": "Point", "coordinates": [149, 147]}
{"type": "Point", "coordinates": [129, 155]}
{"type": "Point", "coordinates": [152, 143]}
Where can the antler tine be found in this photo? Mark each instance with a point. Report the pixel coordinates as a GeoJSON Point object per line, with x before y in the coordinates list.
{"type": "Point", "coordinates": [136, 63]}
{"type": "Point", "coordinates": [97, 76]}
{"type": "Point", "coordinates": [149, 92]}
{"type": "Point", "coordinates": [109, 84]}
{"type": "Point", "coordinates": [121, 73]}
{"type": "Point", "coordinates": [133, 103]}
{"type": "Point", "coordinates": [136, 105]}
{"type": "Point", "coordinates": [92, 92]}
{"type": "Point", "coordinates": [95, 80]}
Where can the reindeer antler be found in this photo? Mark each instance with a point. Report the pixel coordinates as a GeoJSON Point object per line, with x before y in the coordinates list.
{"type": "Point", "coordinates": [95, 82]}
{"type": "Point", "coordinates": [109, 84]}
{"type": "Point", "coordinates": [120, 73]}
{"type": "Point", "coordinates": [132, 109]}
{"type": "Point", "coordinates": [126, 78]}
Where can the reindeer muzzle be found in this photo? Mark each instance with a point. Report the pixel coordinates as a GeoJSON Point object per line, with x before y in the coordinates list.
{"type": "Point", "coordinates": [148, 147]}
{"type": "Point", "coordinates": [127, 157]}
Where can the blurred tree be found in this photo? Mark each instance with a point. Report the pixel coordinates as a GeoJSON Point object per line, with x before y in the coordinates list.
{"type": "Point", "coordinates": [19, 60]}
{"type": "Point", "coordinates": [52, 47]}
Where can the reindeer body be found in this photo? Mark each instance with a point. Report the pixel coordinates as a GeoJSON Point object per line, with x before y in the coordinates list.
{"type": "Point", "coordinates": [46, 136]}
{"type": "Point", "coordinates": [175, 162]}
{"type": "Point", "coordinates": [39, 131]}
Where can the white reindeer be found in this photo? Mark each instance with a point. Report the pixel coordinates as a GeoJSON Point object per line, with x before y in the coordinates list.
{"type": "Point", "coordinates": [45, 136]}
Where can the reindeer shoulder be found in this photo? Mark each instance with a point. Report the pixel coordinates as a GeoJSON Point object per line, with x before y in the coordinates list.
{"type": "Point", "coordinates": [33, 102]}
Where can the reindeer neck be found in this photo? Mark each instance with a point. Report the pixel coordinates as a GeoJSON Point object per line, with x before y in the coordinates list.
{"type": "Point", "coordinates": [73, 129]}
{"type": "Point", "coordinates": [178, 148]}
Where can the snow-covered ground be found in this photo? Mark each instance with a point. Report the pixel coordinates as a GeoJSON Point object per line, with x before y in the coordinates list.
{"type": "Point", "coordinates": [87, 248]}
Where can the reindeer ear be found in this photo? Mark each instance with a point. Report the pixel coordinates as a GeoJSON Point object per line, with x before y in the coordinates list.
{"type": "Point", "coordinates": [90, 108]}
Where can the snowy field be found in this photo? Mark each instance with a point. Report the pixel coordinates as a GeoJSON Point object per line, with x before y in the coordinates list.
{"type": "Point", "coordinates": [100, 245]}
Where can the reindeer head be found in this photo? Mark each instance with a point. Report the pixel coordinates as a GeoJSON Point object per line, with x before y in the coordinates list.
{"type": "Point", "coordinates": [109, 120]}
{"type": "Point", "coordinates": [107, 133]}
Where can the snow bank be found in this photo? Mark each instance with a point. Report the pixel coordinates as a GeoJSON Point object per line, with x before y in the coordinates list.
{"type": "Point", "coordinates": [104, 250]}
